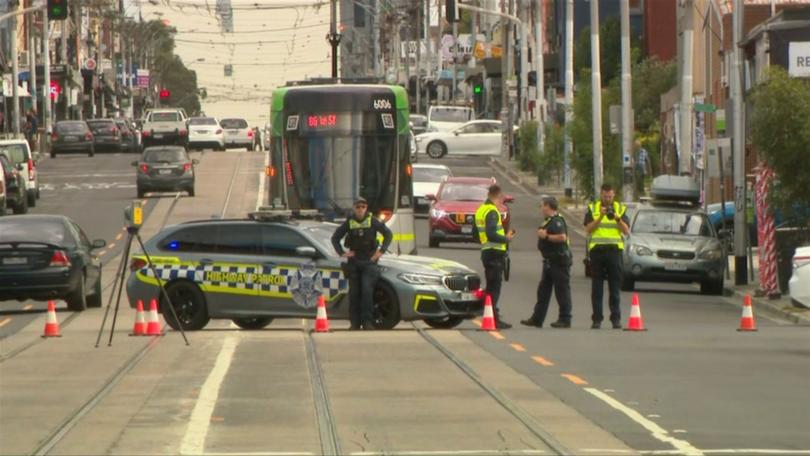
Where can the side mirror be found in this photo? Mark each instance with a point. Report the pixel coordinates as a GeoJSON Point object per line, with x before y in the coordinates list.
{"type": "Point", "coordinates": [99, 244]}
{"type": "Point", "coordinates": [724, 234]}
{"type": "Point", "coordinates": [509, 199]}
{"type": "Point", "coordinates": [195, 162]}
{"type": "Point", "coordinates": [135, 163]}
{"type": "Point", "coordinates": [306, 251]}
{"type": "Point", "coordinates": [456, 133]}
{"type": "Point", "coordinates": [430, 197]}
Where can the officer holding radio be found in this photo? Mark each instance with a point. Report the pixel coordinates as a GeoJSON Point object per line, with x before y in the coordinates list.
{"type": "Point", "coordinates": [606, 223]}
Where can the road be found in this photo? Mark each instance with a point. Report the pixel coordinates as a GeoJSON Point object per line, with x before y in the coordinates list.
{"type": "Point", "coordinates": [691, 384]}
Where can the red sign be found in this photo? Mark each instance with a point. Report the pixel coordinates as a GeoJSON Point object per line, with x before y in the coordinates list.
{"type": "Point", "coordinates": [323, 120]}
{"type": "Point", "coordinates": [56, 90]}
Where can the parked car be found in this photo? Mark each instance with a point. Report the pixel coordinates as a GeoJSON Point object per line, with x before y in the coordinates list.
{"type": "Point", "coordinates": [478, 137]}
{"type": "Point", "coordinates": [419, 123]}
{"type": "Point", "coordinates": [14, 194]}
{"type": "Point", "coordinates": [72, 136]}
{"type": "Point", "coordinates": [237, 133]}
{"type": "Point", "coordinates": [164, 126]}
{"type": "Point", "coordinates": [452, 213]}
{"type": "Point", "coordinates": [165, 169]}
{"type": "Point", "coordinates": [446, 118]}
{"type": "Point", "coordinates": [205, 132]}
{"type": "Point", "coordinates": [129, 137]}
{"type": "Point", "coordinates": [426, 181]}
{"type": "Point", "coordinates": [800, 279]}
{"type": "Point", "coordinates": [49, 257]}
{"type": "Point", "coordinates": [20, 155]}
{"type": "Point", "coordinates": [106, 135]}
{"type": "Point", "coordinates": [267, 133]}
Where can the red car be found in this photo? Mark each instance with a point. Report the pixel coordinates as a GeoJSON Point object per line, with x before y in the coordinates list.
{"type": "Point", "coordinates": [452, 210]}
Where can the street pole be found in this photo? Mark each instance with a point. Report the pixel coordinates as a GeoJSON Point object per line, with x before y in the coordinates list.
{"type": "Point", "coordinates": [539, 100]}
{"type": "Point", "coordinates": [32, 59]}
{"type": "Point", "coordinates": [428, 55]}
{"type": "Point", "coordinates": [375, 38]}
{"type": "Point", "coordinates": [15, 78]}
{"type": "Point", "coordinates": [685, 105]}
{"type": "Point", "coordinates": [455, 62]}
{"type": "Point", "coordinates": [46, 80]}
{"type": "Point", "coordinates": [738, 148]}
{"type": "Point", "coordinates": [628, 189]}
{"type": "Point", "coordinates": [569, 95]}
{"type": "Point", "coordinates": [418, 39]}
{"type": "Point", "coordinates": [523, 7]}
{"type": "Point", "coordinates": [596, 97]}
{"type": "Point", "coordinates": [439, 56]}
{"type": "Point", "coordinates": [333, 37]}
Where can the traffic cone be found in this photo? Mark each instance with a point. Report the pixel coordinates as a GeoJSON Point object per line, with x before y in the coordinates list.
{"type": "Point", "coordinates": [488, 322]}
{"type": "Point", "coordinates": [139, 328]}
{"type": "Point", "coordinates": [747, 321]}
{"type": "Point", "coordinates": [321, 321]}
{"type": "Point", "coordinates": [635, 323]}
{"type": "Point", "coordinates": [51, 323]}
{"type": "Point", "coordinates": [153, 325]}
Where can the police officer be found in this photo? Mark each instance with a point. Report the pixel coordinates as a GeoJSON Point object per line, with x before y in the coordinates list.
{"type": "Point", "coordinates": [361, 230]}
{"type": "Point", "coordinates": [606, 222]}
{"type": "Point", "coordinates": [552, 241]}
{"type": "Point", "coordinates": [494, 240]}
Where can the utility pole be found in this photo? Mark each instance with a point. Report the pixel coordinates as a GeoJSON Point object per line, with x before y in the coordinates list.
{"type": "Point", "coordinates": [375, 38]}
{"type": "Point", "coordinates": [628, 189]}
{"type": "Point", "coordinates": [523, 7]}
{"type": "Point", "coordinates": [455, 62]}
{"type": "Point", "coordinates": [569, 95]}
{"type": "Point", "coordinates": [333, 37]}
{"type": "Point", "coordinates": [439, 56]}
{"type": "Point", "coordinates": [596, 96]}
{"type": "Point", "coordinates": [46, 78]}
{"type": "Point", "coordinates": [15, 74]}
{"type": "Point", "coordinates": [539, 68]}
{"type": "Point", "coordinates": [418, 39]}
{"type": "Point", "coordinates": [738, 147]}
{"type": "Point", "coordinates": [428, 55]}
{"type": "Point", "coordinates": [685, 105]}
{"type": "Point", "coordinates": [32, 58]}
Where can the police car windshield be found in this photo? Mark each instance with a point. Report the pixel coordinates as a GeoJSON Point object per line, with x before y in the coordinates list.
{"type": "Point", "coordinates": [671, 222]}
{"type": "Point", "coordinates": [463, 192]}
{"type": "Point", "coordinates": [322, 235]}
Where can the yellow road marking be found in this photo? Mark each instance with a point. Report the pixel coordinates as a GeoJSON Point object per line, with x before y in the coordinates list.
{"type": "Point", "coordinates": [5, 321]}
{"type": "Point", "coordinates": [217, 418]}
{"type": "Point", "coordinates": [112, 244]}
{"type": "Point", "coordinates": [518, 347]}
{"type": "Point", "coordinates": [574, 379]}
{"type": "Point", "coordinates": [497, 335]}
{"type": "Point", "coordinates": [102, 253]}
{"type": "Point", "coordinates": [542, 361]}
{"type": "Point", "coordinates": [28, 307]}
{"type": "Point", "coordinates": [120, 235]}
{"type": "Point", "coordinates": [477, 322]}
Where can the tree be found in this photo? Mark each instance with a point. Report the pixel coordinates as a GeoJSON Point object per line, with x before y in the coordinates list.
{"type": "Point", "coordinates": [651, 79]}
{"type": "Point", "coordinates": [780, 133]}
{"type": "Point", "coordinates": [610, 50]}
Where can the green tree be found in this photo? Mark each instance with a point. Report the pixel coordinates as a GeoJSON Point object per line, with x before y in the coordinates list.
{"type": "Point", "coordinates": [651, 79]}
{"type": "Point", "coordinates": [172, 73]}
{"type": "Point", "coordinates": [780, 132]}
{"type": "Point", "coordinates": [610, 54]}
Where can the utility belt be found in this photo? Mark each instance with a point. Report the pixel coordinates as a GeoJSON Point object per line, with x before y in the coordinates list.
{"type": "Point", "coordinates": [605, 248]}
{"type": "Point", "coordinates": [558, 258]}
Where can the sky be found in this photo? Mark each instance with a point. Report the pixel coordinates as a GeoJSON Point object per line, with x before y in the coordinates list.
{"type": "Point", "coordinates": [282, 40]}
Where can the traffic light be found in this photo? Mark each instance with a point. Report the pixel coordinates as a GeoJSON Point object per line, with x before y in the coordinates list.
{"type": "Point", "coordinates": [452, 13]}
{"type": "Point", "coordinates": [57, 10]}
{"type": "Point", "coordinates": [165, 94]}
{"type": "Point", "coordinates": [478, 88]}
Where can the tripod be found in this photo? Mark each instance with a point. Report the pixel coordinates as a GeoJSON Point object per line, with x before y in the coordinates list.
{"type": "Point", "coordinates": [120, 275]}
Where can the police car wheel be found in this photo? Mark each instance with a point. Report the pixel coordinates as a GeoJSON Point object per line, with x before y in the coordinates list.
{"type": "Point", "coordinates": [189, 305]}
{"type": "Point", "coordinates": [386, 307]}
{"type": "Point", "coordinates": [252, 323]}
{"type": "Point", "coordinates": [444, 323]}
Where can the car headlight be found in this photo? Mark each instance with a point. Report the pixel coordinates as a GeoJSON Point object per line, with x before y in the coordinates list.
{"type": "Point", "coordinates": [437, 213]}
{"type": "Point", "coordinates": [642, 250]}
{"type": "Point", "coordinates": [711, 254]}
{"type": "Point", "coordinates": [420, 279]}
{"type": "Point", "coordinates": [419, 139]}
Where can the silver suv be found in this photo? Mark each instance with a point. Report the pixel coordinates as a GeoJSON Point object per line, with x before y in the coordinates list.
{"type": "Point", "coordinates": [19, 154]}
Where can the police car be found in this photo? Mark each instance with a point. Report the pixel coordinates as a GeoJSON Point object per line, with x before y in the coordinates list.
{"type": "Point", "coordinates": [271, 266]}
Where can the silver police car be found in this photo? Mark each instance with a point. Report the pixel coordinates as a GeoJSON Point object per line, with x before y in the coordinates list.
{"type": "Point", "coordinates": [254, 270]}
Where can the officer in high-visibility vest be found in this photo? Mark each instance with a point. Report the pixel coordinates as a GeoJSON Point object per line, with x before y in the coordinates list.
{"type": "Point", "coordinates": [552, 241]}
{"type": "Point", "coordinates": [364, 250]}
{"type": "Point", "coordinates": [606, 222]}
{"type": "Point", "coordinates": [494, 240]}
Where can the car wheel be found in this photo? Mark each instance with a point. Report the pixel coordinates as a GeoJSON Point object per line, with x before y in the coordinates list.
{"type": "Point", "coordinates": [712, 287]}
{"type": "Point", "coordinates": [140, 193]}
{"type": "Point", "coordinates": [189, 305]}
{"type": "Point", "coordinates": [628, 284]}
{"type": "Point", "coordinates": [53, 154]}
{"type": "Point", "coordinates": [444, 323]}
{"type": "Point", "coordinates": [77, 300]}
{"type": "Point", "coordinates": [91, 152]}
{"type": "Point", "coordinates": [32, 198]}
{"type": "Point", "coordinates": [386, 307]}
{"type": "Point", "coordinates": [22, 205]}
{"type": "Point", "coordinates": [252, 323]}
{"type": "Point", "coordinates": [191, 192]}
{"type": "Point", "coordinates": [436, 149]}
{"type": "Point", "coordinates": [94, 300]}
{"type": "Point", "coordinates": [433, 242]}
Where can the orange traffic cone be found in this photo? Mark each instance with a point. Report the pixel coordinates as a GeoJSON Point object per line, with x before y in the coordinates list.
{"type": "Point", "coordinates": [153, 325]}
{"type": "Point", "coordinates": [321, 321]}
{"type": "Point", "coordinates": [488, 322]}
{"type": "Point", "coordinates": [747, 321]}
{"type": "Point", "coordinates": [139, 328]}
{"type": "Point", "coordinates": [51, 323]}
{"type": "Point", "coordinates": [635, 323]}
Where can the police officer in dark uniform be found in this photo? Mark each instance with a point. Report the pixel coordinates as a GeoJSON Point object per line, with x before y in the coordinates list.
{"type": "Point", "coordinates": [361, 230]}
{"type": "Point", "coordinates": [552, 241]}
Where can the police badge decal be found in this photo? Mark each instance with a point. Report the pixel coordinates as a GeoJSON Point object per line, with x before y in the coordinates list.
{"type": "Point", "coordinates": [306, 286]}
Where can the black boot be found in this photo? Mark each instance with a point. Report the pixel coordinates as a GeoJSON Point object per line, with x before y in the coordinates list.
{"type": "Point", "coordinates": [531, 322]}
{"type": "Point", "coordinates": [561, 324]}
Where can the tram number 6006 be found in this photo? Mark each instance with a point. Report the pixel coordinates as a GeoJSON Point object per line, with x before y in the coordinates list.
{"type": "Point", "coordinates": [382, 104]}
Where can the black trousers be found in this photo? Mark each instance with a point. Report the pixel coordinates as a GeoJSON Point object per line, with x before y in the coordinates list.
{"type": "Point", "coordinates": [606, 264]}
{"type": "Point", "coordinates": [556, 276]}
{"type": "Point", "coordinates": [363, 275]}
{"type": "Point", "coordinates": [494, 264]}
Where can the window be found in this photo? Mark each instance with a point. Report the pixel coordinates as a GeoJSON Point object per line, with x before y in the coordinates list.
{"type": "Point", "coordinates": [164, 117]}
{"type": "Point", "coordinates": [85, 241]}
{"type": "Point", "coordinates": [71, 127]}
{"type": "Point", "coordinates": [101, 126]}
{"type": "Point", "coordinates": [17, 153]}
{"type": "Point", "coordinates": [202, 121]}
{"type": "Point", "coordinates": [672, 222]}
{"type": "Point", "coordinates": [281, 241]}
{"type": "Point", "coordinates": [167, 155]}
{"type": "Point", "coordinates": [233, 123]}
{"type": "Point", "coordinates": [242, 239]}
{"type": "Point", "coordinates": [47, 230]}
{"type": "Point", "coordinates": [470, 129]}
{"type": "Point", "coordinates": [463, 192]}
{"type": "Point", "coordinates": [359, 15]}
{"type": "Point", "coordinates": [199, 239]}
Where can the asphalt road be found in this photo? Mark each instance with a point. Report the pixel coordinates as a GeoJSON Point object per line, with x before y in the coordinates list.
{"type": "Point", "coordinates": [691, 384]}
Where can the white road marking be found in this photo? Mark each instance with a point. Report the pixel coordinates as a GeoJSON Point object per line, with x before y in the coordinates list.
{"type": "Point", "coordinates": [659, 433]}
{"type": "Point", "coordinates": [446, 452]}
{"type": "Point", "coordinates": [194, 439]}
{"type": "Point", "coordinates": [602, 451]}
{"type": "Point", "coordinates": [262, 182]}
{"type": "Point", "coordinates": [261, 453]}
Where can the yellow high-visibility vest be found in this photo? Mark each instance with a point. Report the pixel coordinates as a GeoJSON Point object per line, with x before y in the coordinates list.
{"type": "Point", "coordinates": [607, 232]}
{"type": "Point", "coordinates": [481, 226]}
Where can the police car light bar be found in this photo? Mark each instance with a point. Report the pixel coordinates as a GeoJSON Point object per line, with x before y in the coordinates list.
{"type": "Point", "coordinates": [266, 213]}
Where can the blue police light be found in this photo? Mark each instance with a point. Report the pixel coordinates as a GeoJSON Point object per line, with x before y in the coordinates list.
{"type": "Point", "coordinates": [174, 245]}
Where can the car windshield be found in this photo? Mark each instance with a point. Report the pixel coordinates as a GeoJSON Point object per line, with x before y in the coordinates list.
{"type": "Point", "coordinates": [672, 222]}
{"type": "Point", "coordinates": [15, 152]}
{"type": "Point", "coordinates": [418, 121]}
{"type": "Point", "coordinates": [322, 235]}
{"type": "Point", "coordinates": [172, 155]}
{"type": "Point", "coordinates": [435, 175]}
{"type": "Point", "coordinates": [202, 121]}
{"type": "Point", "coordinates": [463, 192]}
{"type": "Point", "coordinates": [164, 117]}
{"type": "Point", "coordinates": [71, 127]}
{"type": "Point", "coordinates": [50, 231]}
{"type": "Point", "coordinates": [234, 123]}
{"type": "Point", "coordinates": [449, 115]}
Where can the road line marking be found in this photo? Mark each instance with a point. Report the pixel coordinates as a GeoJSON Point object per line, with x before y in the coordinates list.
{"type": "Point", "coordinates": [542, 361]}
{"type": "Point", "coordinates": [574, 379]}
{"type": "Point", "coordinates": [477, 322]}
{"type": "Point", "coordinates": [112, 244]}
{"type": "Point", "coordinates": [28, 307]}
{"type": "Point", "coordinates": [659, 433]}
{"type": "Point", "coordinates": [102, 253]}
{"type": "Point", "coordinates": [497, 335]}
{"type": "Point", "coordinates": [679, 431]}
{"type": "Point", "coordinates": [653, 415]}
{"type": "Point", "coordinates": [447, 452]}
{"type": "Point", "coordinates": [262, 181]}
{"type": "Point", "coordinates": [261, 453]}
{"type": "Point", "coordinates": [217, 419]}
{"type": "Point", "coordinates": [5, 321]}
{"type": "Point", "coordinates": [194, 438]}
{"type": "Point", "coordinates": [120, 235]}
{"type": "Point", "coordinates": [518, 347]}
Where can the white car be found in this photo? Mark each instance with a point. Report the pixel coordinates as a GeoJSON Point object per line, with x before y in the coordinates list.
{"type": "Point", "coordinates": [800, 280]}
{"type": "Point", "coordinates": [478, 137]}
{"type": "Point", "coordinates": [426, 181]}
{"type": "Point", "coordinates": [237, 133]}
{"type": "Point", "coordinates": [205, 132]}
{"type": "Point", "coordinates": [19, 154]}
{"type": "Point", "coordinates": [446, 118]}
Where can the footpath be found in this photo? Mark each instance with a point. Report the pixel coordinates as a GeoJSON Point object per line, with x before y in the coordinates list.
{"type": "Point", "coordinates": [781, 307]}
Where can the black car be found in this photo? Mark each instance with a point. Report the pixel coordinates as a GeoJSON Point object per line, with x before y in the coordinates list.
{"type": "Point", "coordinates": [16, 197]}
{"type": "Point", "coordinates": [129, 140]}
{"type": "Point", "coordinates": [165, 169]}
{"type": "Point", "coordinates": [106, 134]}
{"type": "Point", "coordinates": [46, 257]}
{"type": "Point", "coordinates": [72, 136]}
